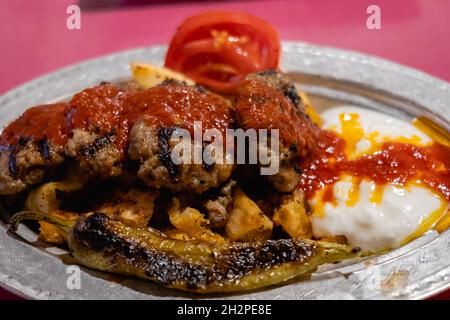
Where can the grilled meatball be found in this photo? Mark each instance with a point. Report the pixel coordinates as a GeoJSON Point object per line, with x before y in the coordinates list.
{"type": "Point", "coordinates": [161, 111]}
{"type": "Point", "coordinates": [98, 130]}
{"type": "Point", "coordinates": [31, 147]}
{"type": "Point", "coordinates": [104, 126]}
{"type": "Point", "coordinates": [94, 129]}
{"type": "Point", "coordinates": [276, 79]}
{"type": "Point", "coordinates": [267, 100]}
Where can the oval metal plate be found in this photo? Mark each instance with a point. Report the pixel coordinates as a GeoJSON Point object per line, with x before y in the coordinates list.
{"type": "Point", "coordinates": [415, 271]}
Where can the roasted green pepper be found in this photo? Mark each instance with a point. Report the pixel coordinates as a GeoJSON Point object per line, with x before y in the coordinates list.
{"type": "Point", "coordinates": [101, 243]}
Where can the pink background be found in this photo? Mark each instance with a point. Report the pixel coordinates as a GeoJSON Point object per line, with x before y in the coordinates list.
{"type": "Point", "coordinates": [34, 38]}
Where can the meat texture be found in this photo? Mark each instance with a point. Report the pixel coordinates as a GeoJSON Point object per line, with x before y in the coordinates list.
{"type": "Point", "coordinates": [267, 100]}
{"type": "Point", "coordinates": [104, 127]}
{"type": "Point", "coordinates": [31, 147]}
{"type": "Point", "coordinates": [162, 111]}
{"type": "Point", "coordinates": [98, 130]}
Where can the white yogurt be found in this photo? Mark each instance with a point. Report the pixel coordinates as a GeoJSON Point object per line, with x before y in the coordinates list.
{"type": "Point", "coordinates": [374, 226]}
{"type": "Point", "coordinates": [399, 211]}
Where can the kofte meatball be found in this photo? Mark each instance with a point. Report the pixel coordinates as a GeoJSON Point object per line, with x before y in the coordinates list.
{"type": "Point", "coordinates": [267, 100]}
{"type": "Point", "coordinates": [159, 112]}
{"type": "Point", "coordinates": [31, 147]}
{"type": "Point", "coordinates": [98, 130]}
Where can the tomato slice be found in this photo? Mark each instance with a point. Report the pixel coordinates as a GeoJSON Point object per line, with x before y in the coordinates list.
{"type": "Point", "coordinates": [218, 49]}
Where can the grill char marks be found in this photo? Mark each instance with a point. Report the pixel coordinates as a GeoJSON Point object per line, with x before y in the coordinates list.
{"type": "Point", "coordinates": [173, 267]}
{"type": "Point", "coordinates": [99, 143]}
{"type": "Point", "coordinates": [164, 135]}
{"type": "Point", "coordinates": [243, 259]}
{"type": "Point", "coordinates": [44, 148]}
{"type": "Point", "coordinates": [96, 233]}
{"type": "Point", "coordinates": [291, 92]}
{"type": "Point", "coordinates": [12, 165]}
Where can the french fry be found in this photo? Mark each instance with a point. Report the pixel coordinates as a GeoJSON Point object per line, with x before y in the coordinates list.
{"type": "Point", "coordinates": [148, 75]}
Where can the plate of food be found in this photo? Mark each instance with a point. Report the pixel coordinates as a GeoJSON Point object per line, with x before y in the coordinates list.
{"type": "Point", "coordinates": [226, 165]}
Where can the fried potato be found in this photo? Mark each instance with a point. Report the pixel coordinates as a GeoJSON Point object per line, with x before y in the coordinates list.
{"type": "Point", "coordinates": [147, 75]}
{"type": "Point", "coordinates": [133, 207]}
{"type": "Point", "coordinates": [292, 216]}
{"type": "Point", "coordinates": [247, 222]}
{"type": "Point", "coordinates": [192, 222]}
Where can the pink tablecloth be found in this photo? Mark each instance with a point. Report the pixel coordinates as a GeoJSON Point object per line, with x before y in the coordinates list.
{"type": "Point", "coordinates": [34, 38]}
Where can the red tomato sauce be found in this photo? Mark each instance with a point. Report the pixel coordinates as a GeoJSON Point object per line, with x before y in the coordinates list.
{"type": "Point", "coordinates": [100, 110]}
{"type": "Point", "coordinates": [106, 109]}
{"type": "Point", "coordinates": [261, 106]}
{"type": "Point", "coordinates": [179, 106]}
{"type": "Point", "coordinates": [41, 122]}
{"type": "Point", "coordinates": [394, 163]}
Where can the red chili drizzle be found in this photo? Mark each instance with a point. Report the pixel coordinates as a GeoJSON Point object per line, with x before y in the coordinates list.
{"type": "Point", "coordinates": [394, 163]}
{"type": "Point", "coordinates": [108, 110]}
{"type": "Point", "coordinates": [37, 123]}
